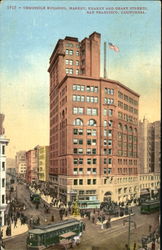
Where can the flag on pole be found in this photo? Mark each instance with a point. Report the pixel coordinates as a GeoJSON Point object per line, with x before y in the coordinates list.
{"type": "Point", "coordinates": [113, 47]}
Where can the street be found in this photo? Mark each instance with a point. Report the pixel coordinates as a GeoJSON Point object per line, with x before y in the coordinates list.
{"type": "Point", "coordinates": [113, 238]}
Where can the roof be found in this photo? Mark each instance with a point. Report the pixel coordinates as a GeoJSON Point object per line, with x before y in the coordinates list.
{"type": "Point", "coordinates": [67, 235]}
{"type": "Point", "coordinates": [53, 227]}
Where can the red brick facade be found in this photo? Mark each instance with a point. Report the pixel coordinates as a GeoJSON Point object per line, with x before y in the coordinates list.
{"type": "Point", "coordinates": [93, 121]}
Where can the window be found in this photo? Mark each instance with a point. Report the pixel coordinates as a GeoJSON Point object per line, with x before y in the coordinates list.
{"type": "Point", "coordinates": [92, 122]}
{"type": "Point", "coordinates": [3, 199]}
{"type": "Point", "coordinates": [80, 161]}
{"type": "Point", "coordinates": [108, 100]}
{"type": "Point", "coordinates": [77, 110]}
{"type": "Point", "coordinates": [3, 182]}
{"type": "Point", "coordinates": [110, 142]}
{"type": "Point", "coordinates": [110, 112]}
{"type": "Point", "coordinates": [75, 141]}
{"type": "Point", "coordinates": [89, 161]}
{"type": "Point", "coordinates": [105, 112]}
{"type": "Point", "coordinates": [3, 149]}
{"type": "Point", "coordinates": [92, 111]}
{"type": "Point", "coordinates": [69, 71]}
{"type": "Point", "coordinates": [94, 181]}
{"type": "Point", "coordinates": [94, 171]}
{"type": "Point", "coordinates": [105, 123]}
{"type": "Point", "coordinates": [77, 63]}
{"type": "Point", "coordinates": [75, 171]}
{"type": "Point", "coordinates": [88, 151]}
{"type": "Point", "coordinates": [75, 161]}
{"type": "Point", "coordinates": [77, 131]}
{"type": "Point", "coordinates": [89, 181]}
{"type": "Point", "coordinates": [78, 122]}
{"type": "Point", "coordinates": [67, 52]}
{"type": "Point", "coordinates": [80, 182]}
{"type": "Point", "coordinates": [75, 181]}
{"type": "Point", "coordinates": [110, 161]}
{"type": "Point", "coordinates": [77, 71]}
{"type": "Point", "coordinates": [77, 53]}
{"type": "Point", "coordinates": [92, 89]}
{"type": "Point", "coordinates": [70, 52]}
{"type": "Point", "coordinates": [70, 62]}
{"type": "Point", "coordinates": [94, 133]}
{"type": "Point", "coordinates": [67, 61]}
{"type": "Point", "coordinates": [3, 166]}
{"type": "Point", "coordinates": [94, 151]}
{"type": "Point", "coordinates": [78, 151]}
{"type": "Point", "coordinates": [110, 123]}
{"type": "Point", "coordinates": [109, 91]}
{"type": "Point", "coordinates": [94, 161]}
{"type": "Point", "coordinates": [120, 126]}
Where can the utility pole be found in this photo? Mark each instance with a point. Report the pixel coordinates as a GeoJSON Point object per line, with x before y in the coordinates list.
{"type": "Point", "coordinates": [129, 228]}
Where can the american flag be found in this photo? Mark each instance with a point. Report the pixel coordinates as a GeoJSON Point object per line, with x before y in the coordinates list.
{"type": "Point", "coordinates": [115, 48]}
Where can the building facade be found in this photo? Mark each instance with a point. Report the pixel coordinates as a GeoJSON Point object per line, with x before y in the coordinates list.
{"type": "Point", "coordinates": [149, 157]}
{"type": "Point", "coordinates": [93, 126]}
{"type": "Point", "coordinates": [149, 146]}
{"type": "Point", "coordinates": [3, 143]}
{"type": "Point", "coordinates": [20, 162]}
{"type": "Point", "coordinates": [43, 163]}
{"type": "Point", "coordinates": [31, 166]}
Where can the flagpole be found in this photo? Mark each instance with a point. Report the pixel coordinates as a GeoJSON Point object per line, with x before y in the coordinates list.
{"type": "Point", "coordinates": [105, 73]}
{"type": "Point", "coordinates": [108, 60]}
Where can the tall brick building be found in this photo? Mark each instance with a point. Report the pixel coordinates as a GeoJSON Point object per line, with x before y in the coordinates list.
{"type": "Point", "coordinates": [149, 143]}
{"type": "Point", "coordinates": [93, 126]}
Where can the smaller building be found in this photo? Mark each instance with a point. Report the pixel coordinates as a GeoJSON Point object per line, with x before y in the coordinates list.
{"type": "Point", "coordinates": [20, 161]}
{"type": "Point", "coordinates": [149, 185]}
{"type": "Point", "coordinates": [43, 163]}
{"type": "Point", "coordinates": [31, 166]}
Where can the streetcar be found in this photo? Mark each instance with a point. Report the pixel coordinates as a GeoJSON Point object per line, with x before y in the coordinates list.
{"type": "Point", "coordinates": [149, 207]}
{"type": "Point", "coordinates": [44, 236]}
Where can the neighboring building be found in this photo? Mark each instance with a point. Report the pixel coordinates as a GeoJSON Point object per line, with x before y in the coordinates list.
{"type": "Point", "coordinates": [43, 163]}
{"type": "Point", "coordinates": [149, 184]}
{"type": "Point", "coordinates": [3, 144]}
{"type": "Point", "coordinates": [149, 157]}
{"type": "Point", "coordinates": [93, 126]}
{"type": "Point", "coordinates": [20, 161]}
{"type": "Point", "coordinates": [31, 166]}
{"type": "Point", "coordinates": [149, 147]}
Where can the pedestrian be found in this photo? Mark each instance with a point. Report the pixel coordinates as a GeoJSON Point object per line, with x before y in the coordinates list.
{"type": "Point", "coordinates": [150, 227]}
{"type": "Point", "coordinates": [1, 234]}
{"type": "Point", "coordinates": [38, 221]}
{"type": "Point", "coordinates": [52, 218]}
{"type": "Point", "coordinates": [153, 245]}
{"type": "Point", "coordinates": [93, 219]}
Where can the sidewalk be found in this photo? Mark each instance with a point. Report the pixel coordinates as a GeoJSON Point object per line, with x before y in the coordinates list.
{"type": "Point", "coordinates": [19, 229]}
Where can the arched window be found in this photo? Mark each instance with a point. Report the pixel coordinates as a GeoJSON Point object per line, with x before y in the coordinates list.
{"type": "Point", "coordinates": [110, 123]}
{"type": "Point", "coordinates": [92, 122]}
{"type": "Point", "coordinates": [120, 126]}
{"type": "Point", "coordinates": [125, 127]}
{"type": "Point", "coordinates": [105, 123]}
{"type": "Point", "coordinates": [78, 122]}
{"type": "Point", "coordinates": [130, 129]}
